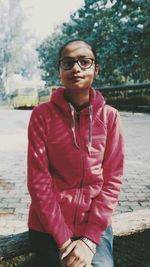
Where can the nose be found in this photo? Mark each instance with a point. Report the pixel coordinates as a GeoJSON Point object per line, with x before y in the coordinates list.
{"type": "Point", "coordinates": [76, 66]}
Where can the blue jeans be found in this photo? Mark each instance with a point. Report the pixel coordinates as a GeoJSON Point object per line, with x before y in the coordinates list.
{"type": "Point", "coordinates": [47, 254]}
{"type": "Point", "coordinates": [104, 251]}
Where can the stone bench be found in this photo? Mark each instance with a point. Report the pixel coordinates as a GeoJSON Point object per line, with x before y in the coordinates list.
{"type": "Point", "coordinates": [131, 243]}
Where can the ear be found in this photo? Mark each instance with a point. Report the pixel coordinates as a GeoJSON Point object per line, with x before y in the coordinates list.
{"type": "Point", "coordinates": [97, 70]}
{"type": "Point", "coordinates": [58, 71]}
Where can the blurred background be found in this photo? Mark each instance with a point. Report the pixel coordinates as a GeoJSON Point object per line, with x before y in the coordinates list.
{"type": "Point", "coordinates": [31, 33]}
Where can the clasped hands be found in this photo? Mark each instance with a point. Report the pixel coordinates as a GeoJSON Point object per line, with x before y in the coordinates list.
{"type": "Point", "coordinates": [75, 254]}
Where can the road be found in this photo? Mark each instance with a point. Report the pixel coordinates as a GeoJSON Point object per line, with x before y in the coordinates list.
{"type": "Point", "coordinates": [14, 198]}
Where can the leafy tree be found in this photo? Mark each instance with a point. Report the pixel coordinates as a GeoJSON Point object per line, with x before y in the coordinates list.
{"type": "Point", "coordinates": [48, 57]}
{"type": "Point", "coordinates": [11, 43]}
{"type": "Point", "coordinates": [119, 32]}
{"type": "Point", "coordinates": [17, 48]}
{"type": "Point", "coordinates": [133, 38]}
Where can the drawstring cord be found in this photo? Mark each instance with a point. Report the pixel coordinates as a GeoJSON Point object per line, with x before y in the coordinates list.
{"type": "Point", "coordinates": [89, 146]}
{"type": "Point", "coordinates": [90, 129]}
{"type": "Point", "coordinates": [73, 125]}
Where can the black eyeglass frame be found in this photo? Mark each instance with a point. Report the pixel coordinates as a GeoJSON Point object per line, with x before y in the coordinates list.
{"type": "Point", "coordinates": [78, 62]}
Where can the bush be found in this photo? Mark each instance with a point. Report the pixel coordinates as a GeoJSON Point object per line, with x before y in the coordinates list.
{"type": "Point", "coordinates": [132, 101]}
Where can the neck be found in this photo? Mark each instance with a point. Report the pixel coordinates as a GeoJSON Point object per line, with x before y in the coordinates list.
{"type": "Point", "coordinates": [78, 99]}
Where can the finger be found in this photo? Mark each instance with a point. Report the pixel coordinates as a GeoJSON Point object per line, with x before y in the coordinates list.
{"type": "Point", "coordinates": [73, 260]}
{"type": "Point", "coordinates": [81, 264]}
{"type": "Point", "coordinates": [75, 263]}
{"type": "Point", "coordinates": [68, 250]}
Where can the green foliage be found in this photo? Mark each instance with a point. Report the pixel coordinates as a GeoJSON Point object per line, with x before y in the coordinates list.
{"type": "Point", "coordinates": [10, 38]}
{"type": "Point", "coordinates": [48, 56]}
{"type": "Point", "coordinates": [136, 103]}
{"type": "Point", "coordinates": [133, 37]}
{"type": "Point", "coordinates": [120, 34]}
{"type": "Point", "coordinates": [17, 54]}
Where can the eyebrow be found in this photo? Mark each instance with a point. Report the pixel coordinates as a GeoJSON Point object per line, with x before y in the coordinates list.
{"type": "Point", "coordinates": [73, 58]}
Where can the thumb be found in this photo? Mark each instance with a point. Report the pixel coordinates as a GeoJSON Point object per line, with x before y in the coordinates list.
{"type": "Point", "coordinates": [68, 249]}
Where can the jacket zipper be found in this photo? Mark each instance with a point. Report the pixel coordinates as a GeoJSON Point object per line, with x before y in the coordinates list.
{"type": "Point", "coordinates": [82, 173]}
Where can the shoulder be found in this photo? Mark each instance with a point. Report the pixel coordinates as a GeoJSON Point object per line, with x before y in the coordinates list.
{"type": "Point", "coordinates": [42, 110]}
{"type": "Point", "coordinates": [110, 111]}
{"type": "Point", "coordinates": [43, 107]}
{"type": "Point", "coordinates": [41, 116]}
{"type": "Point", "coordinates": [112, 116]}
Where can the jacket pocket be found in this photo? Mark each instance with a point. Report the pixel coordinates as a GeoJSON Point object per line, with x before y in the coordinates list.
{"type": "Point", "coordinates": [67, 204]}
{"type": "Point", "coordinates": [98, 145]}
{"type": "Point", "coordinates": [84, 207]}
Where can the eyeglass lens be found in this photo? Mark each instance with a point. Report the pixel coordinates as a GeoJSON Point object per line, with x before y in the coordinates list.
{"type": "Point", "coordinates": [84, 63]}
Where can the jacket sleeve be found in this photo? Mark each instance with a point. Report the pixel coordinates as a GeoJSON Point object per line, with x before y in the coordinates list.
{"type": "Point", "coordinates": [113, 162]}
{"type": "Point", "coordinates": [40, 181]}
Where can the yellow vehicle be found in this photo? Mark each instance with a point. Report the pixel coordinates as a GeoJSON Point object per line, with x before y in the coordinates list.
{"type": "Point", "coordinates": [25, 97]}
{"type": "Point", "coordinates": [44, 95]}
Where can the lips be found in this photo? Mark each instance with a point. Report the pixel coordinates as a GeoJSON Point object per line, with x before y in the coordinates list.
{"type": "Point", "coordinates": [75, 78]}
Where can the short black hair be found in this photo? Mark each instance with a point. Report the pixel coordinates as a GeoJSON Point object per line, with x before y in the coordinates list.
{"type": "Point", "coordinates": [77, 40]}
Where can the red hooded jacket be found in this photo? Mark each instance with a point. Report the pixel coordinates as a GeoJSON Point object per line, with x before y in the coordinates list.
{"type": "Point", "coordinates": [75, 167]}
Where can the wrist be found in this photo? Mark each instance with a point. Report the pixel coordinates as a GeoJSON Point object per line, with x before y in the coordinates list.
{"type": "Point", "coordinates": [91, 245]}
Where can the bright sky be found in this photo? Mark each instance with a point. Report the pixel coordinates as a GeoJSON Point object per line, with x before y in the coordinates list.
{"type": "Point", "coordinates": [43, 15]}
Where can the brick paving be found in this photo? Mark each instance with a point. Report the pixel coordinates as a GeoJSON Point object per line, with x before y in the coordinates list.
{"type": "Point", "coordinates": [14, 198]}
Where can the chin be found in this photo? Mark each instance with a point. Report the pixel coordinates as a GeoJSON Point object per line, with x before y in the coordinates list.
{"type": "Point", "coordinates": [78, 87]}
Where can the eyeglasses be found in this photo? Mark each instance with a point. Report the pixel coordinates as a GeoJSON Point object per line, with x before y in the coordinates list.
{"type": "Point", "coordinates": [68, 63]}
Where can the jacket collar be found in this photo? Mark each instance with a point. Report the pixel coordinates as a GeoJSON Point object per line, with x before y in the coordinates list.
{"type": "Point", "coordinates": [97, 101]}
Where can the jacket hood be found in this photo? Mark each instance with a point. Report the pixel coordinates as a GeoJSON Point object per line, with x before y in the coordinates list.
{"type": "Point", "coordinates": [97, 100]}
{"type": "Point", "coordinates": [96, 103]}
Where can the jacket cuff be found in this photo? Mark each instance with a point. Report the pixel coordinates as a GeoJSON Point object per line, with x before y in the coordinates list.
{"type": "Point", "coordinates": [63, 236]}
{"type": "Point", "coordinates": [94, 232]}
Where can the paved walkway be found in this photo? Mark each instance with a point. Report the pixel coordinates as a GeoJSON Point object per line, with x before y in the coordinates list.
{"type": "Point", "coordinates": [14, 198]}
